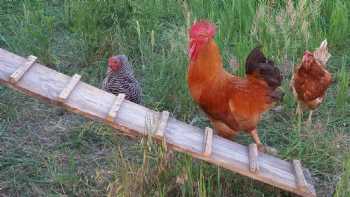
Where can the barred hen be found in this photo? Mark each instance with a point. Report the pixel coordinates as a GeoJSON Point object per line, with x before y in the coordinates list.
{"type": "Point", "coordinates": [120, 79]}
{"type": "Point", "coordinates": [311, 79]}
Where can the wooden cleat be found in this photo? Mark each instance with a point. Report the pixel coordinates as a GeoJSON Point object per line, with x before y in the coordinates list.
{"type": "Point", "coordinates": [164, 116]}
{"type": "Point", "coordinates": [19, 73]}
{"type": "Point", "coordinates": [208, 142]}
{"type": "Point", "coordinates": [253, 158]}
{"type": "Point", "coordinates": [112, 114]}
{"type": "Point", "coordinates": [299, 176]}
{"type": "Point", "coordinates": [69, 88]}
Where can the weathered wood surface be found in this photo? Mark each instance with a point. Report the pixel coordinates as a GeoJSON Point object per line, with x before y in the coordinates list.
{"type": "Point", "coordinates": [45, 83]}
{"type": "Point", "coordinates": [18, 74]}
{"type": "Point", "coordinates": [68, 89]}
{"type": "Point", "coordinates": [112, 114]}
{"type": "Point", "coordinates": [253, 158]}
{"type": "Point", "coordinates": [208, 142]}
{"type": "Point", "coordinates": [299, 175]}
{"type": "Point", "coordinates": [164, 117]}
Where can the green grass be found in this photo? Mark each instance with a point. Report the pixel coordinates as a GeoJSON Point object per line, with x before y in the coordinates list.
{"type": "Point", "coordinates": [46, 153]}
{"type": "Point", "coordinates": [343, 187]}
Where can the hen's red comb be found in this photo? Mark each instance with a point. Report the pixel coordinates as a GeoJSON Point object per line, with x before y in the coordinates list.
{"type": "Point", "coordinates": [202, 28]}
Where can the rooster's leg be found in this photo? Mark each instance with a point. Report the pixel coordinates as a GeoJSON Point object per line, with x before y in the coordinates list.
{"type": "Point", "coordinates": [223, 130]}
{"type": "Point", "coordinates": [256, 138]}
{"type": "Point", "coordinates": [261, 147]}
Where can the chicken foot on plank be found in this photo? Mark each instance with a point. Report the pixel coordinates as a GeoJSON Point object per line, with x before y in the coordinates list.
{"type": "Point", "coordinates": [261, 147]}
{"type": "Point", "coordinates": [256, 138]}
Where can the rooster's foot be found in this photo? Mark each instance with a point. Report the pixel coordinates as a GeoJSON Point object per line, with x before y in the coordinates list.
{"type": "Point", "coordinates": [267, 149]}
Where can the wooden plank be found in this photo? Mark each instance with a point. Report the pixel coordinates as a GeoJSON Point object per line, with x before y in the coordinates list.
{"type": "Point", "coordinates": [69, 88]}
{"type": "Point", "coordinates": [18, 74]}
{"type": "Point", "coordinates": [208, 142]}
{"type": "Point", "coordinates": [299, 175]}
{"type": "Point", "coordinates": [253, 158]}
{"type": "Point", "coordinates": [112, 114]}
{"type": "Point", "coordinates": [163, 121]}
{"type": "Point", "coordinates": [91, 102]}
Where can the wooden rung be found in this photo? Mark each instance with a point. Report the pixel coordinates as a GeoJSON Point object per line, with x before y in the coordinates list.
{"type": "Point", "coordinates": [18, 74]}
{"type": "Point", "coordinates": [253, 158]}
{"type": "Point", "coordinates": [69, 88]}
{"type": "Point", "coordinates": [112, 114]}
{"type": "Point", "coordinates": [208, 141]}
{"type": "Point", "coordinates": [299, 176]}
{"type": "Point", "coordinates": [163, 122]}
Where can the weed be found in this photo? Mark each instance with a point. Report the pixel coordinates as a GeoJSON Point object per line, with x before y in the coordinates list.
{"type": "Point", "coordinates": [343, 76]}
{"type": "Point", "coordinates": [343, 187]}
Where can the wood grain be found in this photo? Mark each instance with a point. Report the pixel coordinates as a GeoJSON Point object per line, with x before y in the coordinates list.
{"type": "Point", "coordinates": [18, 74]}
{"type": "Point", "coordinates": [67, 90]}
{"type": "Point", "coordinates": [208, 142]}
{"type": "Point", "coordinates": [164, 116]}
{"type": "Point", "coordinates": [253, 158]}
{"type": "Point", "coordinates": [91, 102]}
{"type": "Point", "coordinates": [112, 114]}
{"type": "Point", "coordinates": [300, 178]}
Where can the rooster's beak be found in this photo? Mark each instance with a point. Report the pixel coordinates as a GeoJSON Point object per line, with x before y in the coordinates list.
{"type": "Point", "coordinates": [192, 49]}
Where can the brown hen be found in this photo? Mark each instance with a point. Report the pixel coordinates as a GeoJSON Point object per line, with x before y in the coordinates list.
{"type": "Point", "coordinates": [311, 80]}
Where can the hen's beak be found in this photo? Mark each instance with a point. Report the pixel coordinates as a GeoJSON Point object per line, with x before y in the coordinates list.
{"type": "Point", "coordinates": [307, 55]}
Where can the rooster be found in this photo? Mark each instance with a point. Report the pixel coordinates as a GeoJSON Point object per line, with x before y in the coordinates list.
{"type": "Point", "coordinates": [120, 79]}
{"type": "Point", "coordinates": [231, 103]}
{"type": "Point", "coordinates": [311, 80]}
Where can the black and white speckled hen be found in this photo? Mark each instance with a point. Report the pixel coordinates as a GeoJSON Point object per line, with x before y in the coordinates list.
{"type": "Point", "coordinates": [120, 79]}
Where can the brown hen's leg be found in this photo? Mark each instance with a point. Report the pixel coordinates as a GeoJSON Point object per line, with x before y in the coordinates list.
{"type": "Point", "coordinates": [223, 130]}
{"type": "Point", "coordinates": [298, 110]}
{"type": "Point", "coordinates": [309, 120]}
{"type": "Point", "coordinates": [312, 106]}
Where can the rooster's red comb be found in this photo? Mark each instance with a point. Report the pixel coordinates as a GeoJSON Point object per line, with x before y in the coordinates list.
{"type": "Point", "coordinates": [202, 28]}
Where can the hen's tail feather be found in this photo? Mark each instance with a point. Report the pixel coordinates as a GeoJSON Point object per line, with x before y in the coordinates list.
{"type": "Point", "coordinates": [321, 54]}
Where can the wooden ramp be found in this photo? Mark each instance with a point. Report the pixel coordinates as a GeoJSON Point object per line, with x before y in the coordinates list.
{"type": "Point", "coordinates": [33, 79]}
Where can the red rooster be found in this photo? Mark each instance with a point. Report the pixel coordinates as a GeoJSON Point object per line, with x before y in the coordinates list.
{"type": "Point", "coordinates": [231, 103]}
